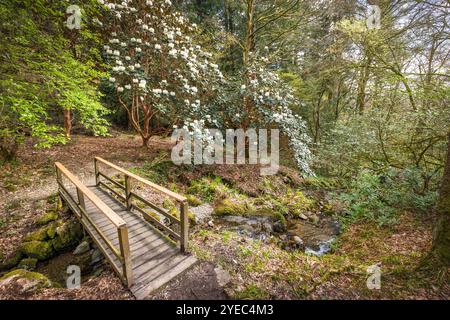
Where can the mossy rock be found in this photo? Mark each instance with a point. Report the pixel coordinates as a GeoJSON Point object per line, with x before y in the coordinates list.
{"type": "Point", "coordinates": [67, 235]}
{"type": "Point", "coordinates": [227, 207]}
{"type": "Point", "coordinates": [33, 280]}
{"type": "Point", "coordinates": [47, 218]}
{"type": "Point", "coordinates": [28, 264]}
{"type": "Point", "coordinates": [11, 261]}
{"type": "Point", "coordinates": [193, 200]}
{"type": "Point", "coordinates": [297, 202]}
{"type": "Point", "coordinates": [43, 234]}
{"type": "Point", "coordinates": [37, 249]}
{"type": "Point", "coordinates": [51, 231]}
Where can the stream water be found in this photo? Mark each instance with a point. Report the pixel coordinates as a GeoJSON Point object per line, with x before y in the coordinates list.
{"type": "Point", "coordinates": [315, 239]}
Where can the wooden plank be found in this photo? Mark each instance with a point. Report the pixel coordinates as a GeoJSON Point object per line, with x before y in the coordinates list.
{"type": "Point", "coordinates": [143, 289]}
{"type": "Point", "coordinates": [152, 185]}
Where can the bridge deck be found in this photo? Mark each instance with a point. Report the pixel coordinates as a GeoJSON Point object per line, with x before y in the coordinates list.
{"type": "Point", "coordinates": [155, 259]}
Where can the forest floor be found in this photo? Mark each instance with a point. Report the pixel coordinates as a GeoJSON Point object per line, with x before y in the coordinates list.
{"type": "Point", "coordinates": [257, 269]}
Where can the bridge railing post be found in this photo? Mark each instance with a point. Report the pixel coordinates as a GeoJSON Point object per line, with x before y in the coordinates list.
{"type": "Point", "coordinates": [184, 219]}
{"type": "Point", "coordinates": [128, 192]}
{"type": "Point", "coordinates": [125, 253]}
{"type": "Point", "coordinates": [97, 173]}
{"type": "Point", "coordinates": [81, 202]}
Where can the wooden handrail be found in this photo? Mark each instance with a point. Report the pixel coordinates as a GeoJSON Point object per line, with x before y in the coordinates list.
{"type": "Point", "coordinates": [152, 185]}
{"type": "Point", "coordinates": [108, 212]}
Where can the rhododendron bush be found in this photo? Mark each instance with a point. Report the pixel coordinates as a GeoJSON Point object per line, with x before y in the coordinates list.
{"type": "Point", "coordinates": [158, 69]}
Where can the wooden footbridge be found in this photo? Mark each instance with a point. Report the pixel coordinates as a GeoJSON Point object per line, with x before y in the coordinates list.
{"type": "Point", "coordinates": [145, 244]}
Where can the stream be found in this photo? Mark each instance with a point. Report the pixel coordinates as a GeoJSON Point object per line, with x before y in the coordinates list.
{"type": "Point", "coordinates": [315, 239]}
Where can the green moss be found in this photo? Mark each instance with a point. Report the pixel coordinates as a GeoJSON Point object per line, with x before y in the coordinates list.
{"type": "Point", "coordinates": [67, 235]}
{"type": "Point", "coordinates": [252, 292]}
{"type": "Point", "coordinates": [11, 261]}
{"type": "Point", "coordinates": [42, 281]}
{"type": "Point", "coordinates": [47, 218]}
{"type": "Point", "coordinates": [37, 249]}
{"type": "Point", "coordinates": [297, 202]}
{"type": "Point", "coordinates": [39, 235]}
{"type": "Point", "coordinates": [228, 207]}
{"type": "Point", "coordinates": [207, 188]}
{"type": "Point", "coordinates": [193, 200]}
{"type": "Point", "coordinates": [28, 263]}
{"type": "Point", "coordinates": [51, 231]}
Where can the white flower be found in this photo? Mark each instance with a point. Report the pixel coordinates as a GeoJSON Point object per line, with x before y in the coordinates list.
{"type": "Point", "coordinates": [172, 94]}
{"type": "Point", "coordinates": [112, 79]}
{"type": "Point", "coordinates": [128, 86]}
{"type": "Point", "coordinates": [135, 81]}
{"type": "Point", "coordinates": [157, 47]}
{"type": "Point", "coordinates": [151, 30]}
{"type": "Point", "coordinates": [128, 58]}
{"type": "Point", "coordinates": [243, 87]}
{"type": "Point", "coordinates": [138, 49]}
{"type": "Point", "coordinates": [120, 89]}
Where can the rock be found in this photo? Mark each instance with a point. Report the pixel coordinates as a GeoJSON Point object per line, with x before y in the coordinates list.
{"type": "Point", "coordinates": [28, 264]}
{"type": "Point", "coordinates": [11, 261]}
{"type": "Point", "coordinates": [96, 256]}
{"type": "Point", "coordinates": [24, 281]}
{"type": "Point", "coordinates": [37, 249]}
{"type": "Point", "coordinates": [223, 277]}
{"type": "Point", "coordinates": [303, 216]}
{"type": "Point", "coordinates": [39, 235]}
{"type": "Point", "coordinates": [202, 213]}
{"type": "Point", "coordinates": [67, 235]}
{"type": "Point", "coordinates": [298, 240]}
{"type": "Point", "coordinates": [279, 227]}
{"type": "Point", "coordinates": [229, 207]}
{"type": "Point", "coordinates": [83, 247]}
{"type": "Point", "coordinates": [47, 218]}
{"type": "Point", "coordinates": [267, 227]}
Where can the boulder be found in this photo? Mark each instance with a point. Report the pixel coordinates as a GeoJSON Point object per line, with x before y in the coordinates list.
{"type": "Point", "coordinates": [24, 281]}
{"type": "Point", "coordinates": [298, 241]}
{"type": "Point", "coordinates": [28, 264]}
{"type": "Point", "coordinates": [83, 247]}
{"type": "Point", "coordinates": [202, 213]}
{"type": "Point", "coordinates": [47, 218]}
{"type": "Point", "coordinates": [67, 235]}
{"type": "Point", "coordinates": [11, 261]}
{"type": "Point", "coordinates": [37, 249]}
{"type": "Point", "coordinates": [223, 277]}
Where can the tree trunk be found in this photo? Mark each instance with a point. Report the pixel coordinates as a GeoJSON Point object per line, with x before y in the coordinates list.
{"type": "Point", "coordinates": [441, 234]}
{"type": "Point", "coordinates": [364, 78]}
{"type": "Point", "coordinates": [145, 141]}
{"type": "Point", "coordinates": [67, 122]}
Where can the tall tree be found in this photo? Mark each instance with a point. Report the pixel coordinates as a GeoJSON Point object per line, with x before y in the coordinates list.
{"type": "Point", "coordinates": [441, 236]}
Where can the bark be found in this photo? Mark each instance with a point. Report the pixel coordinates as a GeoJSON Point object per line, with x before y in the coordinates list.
{"type": "Point", "coordinates": [441, 234]}
{"type": "Point", "coordinates": [364, 78]}
{"type": "Point", "coordinates": [68, 122]}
